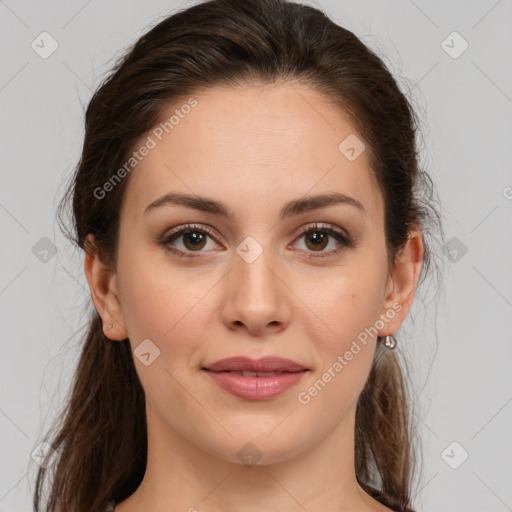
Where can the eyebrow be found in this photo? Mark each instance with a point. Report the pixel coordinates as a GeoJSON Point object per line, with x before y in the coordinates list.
{"type": "Point", "coordinates": [295, 207]}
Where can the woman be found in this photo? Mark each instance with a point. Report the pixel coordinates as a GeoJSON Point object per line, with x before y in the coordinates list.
{"type": "Point", "coordinates": [248, 203]}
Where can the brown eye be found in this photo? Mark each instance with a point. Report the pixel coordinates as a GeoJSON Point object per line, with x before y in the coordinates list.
{"type": "Point", "coordinates": [316, 240]}
{"type": "Point", "coordinates": [188, 240]}
{"type": "Point", "coordinates": [193, 240]}
{"type": "Point", "coordinates": [317, 237]}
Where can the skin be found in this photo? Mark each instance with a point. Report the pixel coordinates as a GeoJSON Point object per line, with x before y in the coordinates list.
{"type": "Point", "coordinates": [197, 310]}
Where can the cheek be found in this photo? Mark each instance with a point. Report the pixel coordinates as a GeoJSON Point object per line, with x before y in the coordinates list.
{"type": "Point", "coordinates": [345, 347]}
{"type": "Point", "coordinates": [160, 303]}
{"type": "Point", "coordinates": [342, 305]}
{"type": "Point", "coordinates": [339, 320]}
{"type": "Point", "coordinates": [166, 308]}
{"type": "Point", "coordinates": [345, 352]}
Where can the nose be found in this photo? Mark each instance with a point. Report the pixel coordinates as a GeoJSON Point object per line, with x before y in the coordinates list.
{"type": "Point", "coordinates": [256, 295]}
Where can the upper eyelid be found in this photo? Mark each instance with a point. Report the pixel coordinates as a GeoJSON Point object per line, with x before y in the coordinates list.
{"type": "Point", "coordinates": [324, 226]}
{"type": "Point", "coordinates": [180, 230]}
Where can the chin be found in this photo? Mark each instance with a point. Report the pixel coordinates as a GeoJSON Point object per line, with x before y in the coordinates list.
{"type": "Point", "coordinates": [251, 449]}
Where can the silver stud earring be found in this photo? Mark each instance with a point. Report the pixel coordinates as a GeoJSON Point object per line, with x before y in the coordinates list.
{"type": "Point", "coordinates": [109, 326]}
{"type": "Point", "coordinates": [390, 342]}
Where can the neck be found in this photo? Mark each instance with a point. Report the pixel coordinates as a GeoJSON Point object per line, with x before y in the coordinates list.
{"type": "Point", "coordinates": [181, 476]}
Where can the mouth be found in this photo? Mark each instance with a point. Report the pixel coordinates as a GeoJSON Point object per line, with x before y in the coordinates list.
{"type": "Point", "coordinates": [252, 379]}
{"type": "Point", "coordinates": [268, 364]}
{"type": "Point", "coordinates": [248, 373]}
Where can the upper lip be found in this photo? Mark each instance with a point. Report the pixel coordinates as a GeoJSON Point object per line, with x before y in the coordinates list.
{"type": "Point", "coordinates": [265, 364]}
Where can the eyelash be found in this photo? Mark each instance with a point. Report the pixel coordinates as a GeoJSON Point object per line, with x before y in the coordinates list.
{"type": "Point", "coordinates": [343, 239]}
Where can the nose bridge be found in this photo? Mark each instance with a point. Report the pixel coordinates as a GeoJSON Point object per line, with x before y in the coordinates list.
{"type": "Point", "coordinates": [255, 293]}
{"type": "Point", "coordinates": [252, 267]}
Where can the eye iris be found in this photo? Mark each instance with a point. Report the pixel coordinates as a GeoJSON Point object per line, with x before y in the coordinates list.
{"type": "Point", "coordinates": [320, 240]}
{"type": "Point", "coordinates": [196, 237]}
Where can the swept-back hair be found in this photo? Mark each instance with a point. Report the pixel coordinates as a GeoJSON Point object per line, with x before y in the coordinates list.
{"type": "Point", "coordinates": [101, 437]}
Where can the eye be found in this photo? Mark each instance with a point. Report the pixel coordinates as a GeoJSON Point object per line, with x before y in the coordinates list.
{"type": "Point", "coordinates": [194, 240]}
{"type": "Point", "coordinates": [317, 237]}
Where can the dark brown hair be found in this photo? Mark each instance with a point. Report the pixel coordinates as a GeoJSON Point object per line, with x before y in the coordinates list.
{"type": "Point", "coordinates": [101, 437]}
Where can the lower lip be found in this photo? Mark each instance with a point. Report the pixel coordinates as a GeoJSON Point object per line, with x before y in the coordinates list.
{"type": "Point", "coordinates": [256, 388]}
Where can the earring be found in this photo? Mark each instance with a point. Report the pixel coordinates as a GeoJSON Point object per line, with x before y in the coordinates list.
{"type": "Point", "coordinates": [390, 341]}
{"type": "Point", "coordinates": [109, 326]}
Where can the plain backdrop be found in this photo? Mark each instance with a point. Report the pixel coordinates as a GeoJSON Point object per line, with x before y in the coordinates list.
{"type": "Point", "coordinates": [452, 59]}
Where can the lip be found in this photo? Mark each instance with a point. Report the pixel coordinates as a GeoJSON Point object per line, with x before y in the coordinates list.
{"type": "Point", "coordinates": [265, 364]}
{"type": "Point", "coordinates": [256, 387]}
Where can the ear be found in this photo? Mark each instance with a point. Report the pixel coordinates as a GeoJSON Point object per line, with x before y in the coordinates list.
{"type": "Point", "coordinates": [402, 282]}
{"type": "Point", "coordinates": [104, 291]}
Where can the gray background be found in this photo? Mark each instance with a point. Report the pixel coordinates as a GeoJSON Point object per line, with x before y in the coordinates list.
{"type": "Point", "coordinates": [459, 358]}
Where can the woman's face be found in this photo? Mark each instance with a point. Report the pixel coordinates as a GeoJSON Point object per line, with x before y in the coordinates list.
{"type": "Point", "coordinates": [253, 284]}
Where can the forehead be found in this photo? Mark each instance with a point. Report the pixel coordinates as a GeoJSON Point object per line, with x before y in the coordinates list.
{"type": "Point", "coordinates": [254, 144]}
